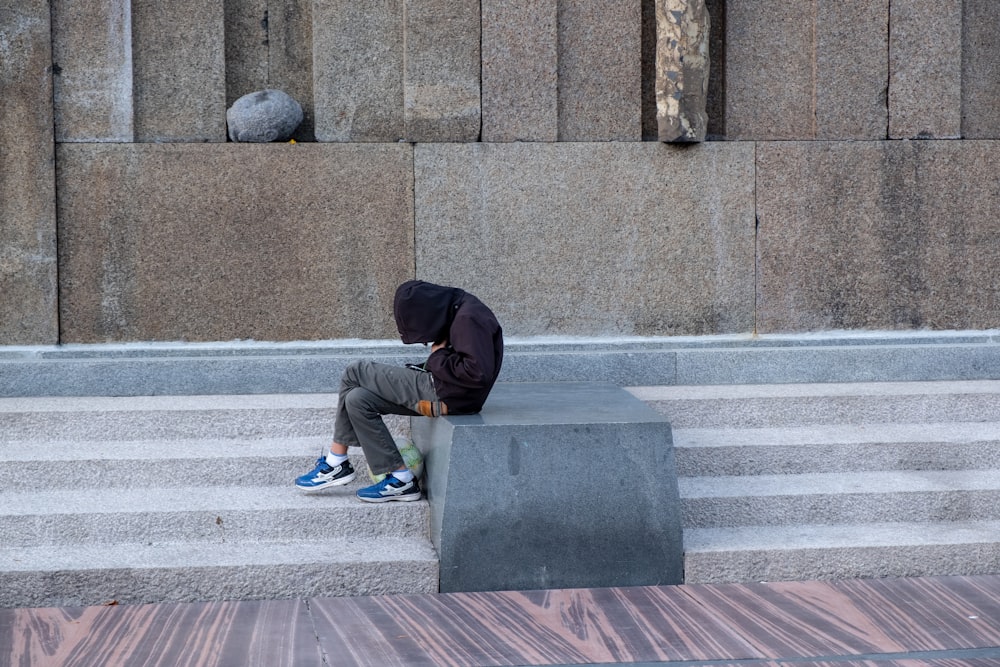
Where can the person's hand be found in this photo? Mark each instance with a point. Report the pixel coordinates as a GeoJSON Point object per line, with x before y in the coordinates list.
{"type": "Point", "coordinates": [439, 346]}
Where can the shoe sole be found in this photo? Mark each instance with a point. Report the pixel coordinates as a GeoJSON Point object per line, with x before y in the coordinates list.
{"type": "Point", "coordinates": [340, 481]}
{"type": "Point", "coordinates": [384, 499]}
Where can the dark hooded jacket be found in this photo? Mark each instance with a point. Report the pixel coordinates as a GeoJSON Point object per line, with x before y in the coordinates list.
{"type": "Point", "coordinates": [465, 370]}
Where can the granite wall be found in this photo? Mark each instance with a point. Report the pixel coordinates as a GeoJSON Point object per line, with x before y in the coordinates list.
{"type": "Point", "coordinates": [849, 180]}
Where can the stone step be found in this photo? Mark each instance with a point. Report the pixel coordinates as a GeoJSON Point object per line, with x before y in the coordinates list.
{"type": "Point", "coordinates": [167, 417]}
{"type": "Point", "coordinates": [868, 550]}
{"type": "Point", "coordinates": [764, 406]}
{"type": "Point", "coordinates": [840, 498]}
{"type": "Point", "coordinates": [199, 514]}
{"type": "Point", "coordinates": [145, 499]}
{"type": "Point", "coordinates": [317, 564]}
{"type": "Point", "coordinates": [837, 448]}
{"type": "Point", "coordinates": [36, 465]}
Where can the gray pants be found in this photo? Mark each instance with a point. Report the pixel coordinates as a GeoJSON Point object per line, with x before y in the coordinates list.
{"type": "Point", "coordinates": [369, 390]}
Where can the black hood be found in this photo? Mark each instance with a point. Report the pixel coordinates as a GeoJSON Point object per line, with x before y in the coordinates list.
{"type": "Point", "coordinates": [424, 311]}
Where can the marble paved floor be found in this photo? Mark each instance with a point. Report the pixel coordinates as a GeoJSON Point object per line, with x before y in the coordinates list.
{"type": "Point", "coordinates": [919, 622]}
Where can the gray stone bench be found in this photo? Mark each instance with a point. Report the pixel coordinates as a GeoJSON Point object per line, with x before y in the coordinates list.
{"type": "Point", "coordinates": [553, 485]}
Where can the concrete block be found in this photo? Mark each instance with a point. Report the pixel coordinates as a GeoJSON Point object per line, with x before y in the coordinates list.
{"type": "Point", "coordinates": [358, 70]}
{"type": "Point", "coordinates": [600, 70]}
{"type": "Point", "coordinates": [92, 56]}
{"type": "Point", "coordinates": [885, 235]}
{"type": "Point", "coordinates": [925, 69]}
{"type": "Point", "coordinates": [179, 68]}
{"type": "Point", "coordinates": [28, 308]}
{"type": "Point", "coordinates": [442, 65]}
{"type": "Point", "coordinates": [520, 70]}
{"type": "Point", "coordinates": [592, 239]}
{"type": "Point", "coordinates": [981, 70]}
{"type": "Point", "coordinates": [199, 242]}
{"type": "Point", "coordinates": [519, 446]}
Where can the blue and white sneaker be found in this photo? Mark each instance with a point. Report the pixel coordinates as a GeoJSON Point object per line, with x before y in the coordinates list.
{"type": "Point", "coordinates": [390, 488]}
{"type": "Point", "coordinates": [325, 475]}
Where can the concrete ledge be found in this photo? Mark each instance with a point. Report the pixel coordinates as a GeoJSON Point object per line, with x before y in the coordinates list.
{"type": "Point", "coordinates": [271, 368]}
{"type": "Point", "coordinates": [534, 485]}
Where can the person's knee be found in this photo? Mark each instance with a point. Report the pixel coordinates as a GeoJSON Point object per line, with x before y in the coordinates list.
{"type": "Point", "coordinates": [359, 401]}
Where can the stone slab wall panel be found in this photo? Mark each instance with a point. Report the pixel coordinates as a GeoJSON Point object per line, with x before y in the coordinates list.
{"type": "Point", "coordinates": [92, 54]}
{"type": "Point", "coordinates": [442, 66]}
{"type": "Point", "coordinates": [878, 235]}
{"type": "Point", "coordinates": [631, 238]}
{"type": "Point", "coordinates": [290, 57]}
{"type": "Point", "coordinates": [520, 68]}
{"type": "Point", "coordinates": [981, 70]}
{"type": "Point", "coordinates": [247, 30]}
{"type": "Point", "coordinates": [852, 70]}
{"type": "Point", "coordinates": [179, 84]}
{"type": "Point", "coordinates": [166, 242]}
{"type": "Point", "coordinates": [28, 312]}
{"type": "Point", "coordinates": [600, 70]}
{"type": "Point", "coordinates": [358, 70]}
{"type": "Point", "coordinates": [925, 60]}
{"type": "Point", "coordinates": [806, 69]}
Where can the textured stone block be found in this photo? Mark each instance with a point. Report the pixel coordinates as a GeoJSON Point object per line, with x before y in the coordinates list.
{"type": "Point", "coordinates": [204, 242]}
{"type": "Point", "coordinates": [546, 537]}
{"type": "Point", "coordinates": [981, 70]}
{"type": "Point", "coordinates": [600, 70]}
{"type": "Point", "coordinates": [881, 235]}
{"type": "Point", "coordinates": [520, 68]}
{"type": "Point", "coordinates": [682, 61]}
{"type": "Point", "coordinates": [27, 195]}
{"type": "Point", "coordinates": [592, 238]}
{"type": "Point", "coordinates": [247, 47]}
{"type": "Point", "coordinates": [769, 69]}
{"type": "Point", "coordinates": [851, 69]}
{"type": "Point", "coordinates": [441, 77]}
{"type": "Point", "coordinates": [92, 56]}
{"type": "Point", "coordinates": [358, 70]}
{"type": "Point", "coordinates": [290, 57]}
{"type": "Point", "coordinates": [179, 84]}
{"type": "Point", "coordinates": [925, 69]}
{"type": "Point", "coordinates": [806, 70]}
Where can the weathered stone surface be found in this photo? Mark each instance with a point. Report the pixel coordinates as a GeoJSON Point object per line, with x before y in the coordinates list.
{"type": "Point", "coordinates": [358, 70]}
{"type": "Point", "coordinates": [441, 78]}
{"type": "Point", "coordinates": [600, 71]}
{"type": "Point", "coordinates": [715, 105]}
{"type": "Point", "coordinates": [769, 69]}
{"type": "Point", "coordinates": [263, 116]}
{"type": "Point", "coordinates": [247, 47]}
{"type": "Point", "coordinates": [290, 57]}
{"type": "Point", "coordinates": [592, 238]}
{"type": "Point", "coordinates": [179, 84]}
{"type": "Point", "coordinates": [27, 197]}
{"type": "Point", "coordinates": [92, 54]}
{"type": "Point", "coordinates": [925, 69]}
{"type": "Point", "coordinates": [202, 242]}
{"type": "Point", "coordinates": [806, 70]}
{"type": "Point", "coordinates": [981, 70]}
{"type": "Point", "coordinates": [520, 94]}
{"type": "Point", "coordinates": [878, 235]}
{"type": "Point", "coordinates": [682, 62]}
{"type": "Point", "coordinates": [851, 69]}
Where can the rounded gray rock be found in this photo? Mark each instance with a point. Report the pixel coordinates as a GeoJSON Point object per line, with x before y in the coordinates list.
{"type": "Point", "coordinates": [263, 116]}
